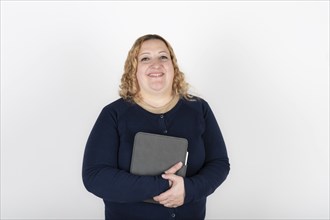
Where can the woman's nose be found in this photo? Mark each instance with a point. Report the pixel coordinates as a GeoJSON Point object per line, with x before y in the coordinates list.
{"type": "Point", "coordinates": [156, 63]}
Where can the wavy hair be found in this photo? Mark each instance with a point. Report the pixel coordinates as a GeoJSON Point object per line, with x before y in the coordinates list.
{"type": "Point", "coordinates": [129, 87]}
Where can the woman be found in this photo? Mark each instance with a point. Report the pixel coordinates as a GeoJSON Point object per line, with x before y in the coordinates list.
{"type": "Point", "coordinates": [154, 99]}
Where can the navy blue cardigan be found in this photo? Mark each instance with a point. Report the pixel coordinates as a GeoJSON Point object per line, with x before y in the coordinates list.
{"type": "Point", "coordinates": [108, 153]}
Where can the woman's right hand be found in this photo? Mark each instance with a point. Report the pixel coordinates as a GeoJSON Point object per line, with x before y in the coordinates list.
{"type": "Point", "coordinates": [173, 197]}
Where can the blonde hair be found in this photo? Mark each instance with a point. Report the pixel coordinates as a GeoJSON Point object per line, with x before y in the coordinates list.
{"type": "Point", "coordinates": [129, 87]}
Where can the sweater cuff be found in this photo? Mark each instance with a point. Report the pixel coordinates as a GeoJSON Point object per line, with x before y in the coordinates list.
{"type": "Point", "coordinates": [163, 185]}
{"type": "Point", "coordinates": [189, 190]}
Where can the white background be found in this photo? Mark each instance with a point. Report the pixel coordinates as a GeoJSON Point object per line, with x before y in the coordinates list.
{"type": "Point", "coordinates": [263, 66]}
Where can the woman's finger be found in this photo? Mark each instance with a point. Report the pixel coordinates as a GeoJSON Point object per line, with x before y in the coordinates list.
{"type": "Point", "coordinates": [174, 168]}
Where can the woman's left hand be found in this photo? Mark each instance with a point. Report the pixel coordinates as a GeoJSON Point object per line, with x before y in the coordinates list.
{"type": "Point", "coordinates": [173, 197]}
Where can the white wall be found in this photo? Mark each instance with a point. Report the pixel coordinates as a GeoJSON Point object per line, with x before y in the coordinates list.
{"type": "Point", "coordinates": [262, 65]}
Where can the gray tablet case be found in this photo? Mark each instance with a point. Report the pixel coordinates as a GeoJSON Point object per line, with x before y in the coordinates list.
{"type": "Point", "coordinates": [153, 154]}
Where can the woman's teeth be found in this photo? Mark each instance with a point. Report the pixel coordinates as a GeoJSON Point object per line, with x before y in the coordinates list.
{"type": "Point", "coordinates": [155, 74]}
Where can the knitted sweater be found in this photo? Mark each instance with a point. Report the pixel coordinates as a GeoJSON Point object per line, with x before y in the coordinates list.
{"type": "Point", "coordinates": [108, 154]}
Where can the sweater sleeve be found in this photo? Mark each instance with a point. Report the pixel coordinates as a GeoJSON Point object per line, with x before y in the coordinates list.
{"type": "Point", "coordinates": [216, 166]}
{"type": "Point", "coordinates": [101, 175]}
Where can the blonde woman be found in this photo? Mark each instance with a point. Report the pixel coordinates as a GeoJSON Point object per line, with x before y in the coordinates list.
{"type": "Point", "coordinates": [154, 99]}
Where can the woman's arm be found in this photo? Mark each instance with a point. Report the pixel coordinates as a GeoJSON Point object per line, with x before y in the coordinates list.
{"type": "Point", "coordinates": [216, 166]}
{"type": "Point", "coordinates": [101, 175]}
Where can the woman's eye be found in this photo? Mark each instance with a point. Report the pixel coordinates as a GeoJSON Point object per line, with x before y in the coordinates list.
{"type": "Point", "coordinates": [164, 58]}
{"type": "Point", "coordinates": [144, 59]}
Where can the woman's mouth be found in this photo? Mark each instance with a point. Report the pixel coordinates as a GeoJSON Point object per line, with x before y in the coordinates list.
{"type": "Point", "coordinates": [155, 74]}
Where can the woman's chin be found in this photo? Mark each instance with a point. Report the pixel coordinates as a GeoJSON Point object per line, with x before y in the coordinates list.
{"type": "Point", "coordinates": [158, 90]}
{"type": "Point", "coordinates": [157, 87]}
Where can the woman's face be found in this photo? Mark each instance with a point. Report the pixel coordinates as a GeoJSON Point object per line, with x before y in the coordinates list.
{"type": "Point", "coordinates": [155, 70]}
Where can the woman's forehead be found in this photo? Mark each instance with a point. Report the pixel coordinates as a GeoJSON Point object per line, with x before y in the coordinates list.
{"type": "Point", "coordinates": [152, 45]}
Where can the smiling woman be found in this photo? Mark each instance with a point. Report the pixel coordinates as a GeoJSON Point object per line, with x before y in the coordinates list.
{"type": "Point", "coordinates": [154, 99]}
{"type": "Point", "coordinates": [155, 73]}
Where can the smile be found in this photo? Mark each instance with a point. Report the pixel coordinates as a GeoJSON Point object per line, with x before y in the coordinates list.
{"type": "Point", "coordinates": [155, 74]}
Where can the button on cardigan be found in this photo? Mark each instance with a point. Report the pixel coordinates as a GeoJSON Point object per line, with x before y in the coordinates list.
{"type": "Point", "coordinates": [108, 152]}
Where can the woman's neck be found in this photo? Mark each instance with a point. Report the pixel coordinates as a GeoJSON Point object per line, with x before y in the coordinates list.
{"type": "Point", "coordinates": [157, 104]}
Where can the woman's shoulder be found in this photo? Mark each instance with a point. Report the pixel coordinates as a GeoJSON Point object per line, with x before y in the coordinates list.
{"type": "Point", "coordinates": [193, 100]}
{"type": "Point", "coordinates": [119, 105]}
{"type": "Point", "coordinates": [196, 102]}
